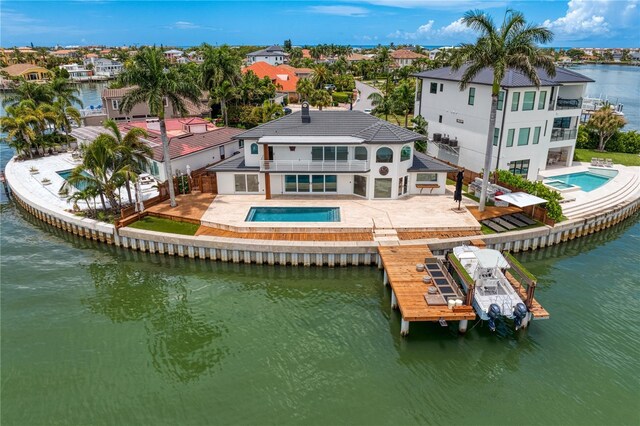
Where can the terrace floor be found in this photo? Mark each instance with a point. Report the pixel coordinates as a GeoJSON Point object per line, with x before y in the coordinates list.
{"type": "Point", "coordinates": [190, 207]}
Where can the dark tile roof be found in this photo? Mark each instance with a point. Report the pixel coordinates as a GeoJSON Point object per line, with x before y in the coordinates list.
{"type": "Point", "coordinates": [274, 50]}
{"type": "Point", "coordinates": [335, 123]}
{"type": "Point", "coordinates": [424, 163]}
{"type": "Point", "coordinates": [512, 78]}
{"type": "Point", "coordinates": [233, 164]}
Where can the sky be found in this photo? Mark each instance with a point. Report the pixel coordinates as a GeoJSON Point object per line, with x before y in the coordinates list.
{"type": "Point", "coordinates": [575, 23]}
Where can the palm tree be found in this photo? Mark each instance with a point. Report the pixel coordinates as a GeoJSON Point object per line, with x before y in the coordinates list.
{"type": "Point", "coordinates": [131, 149]}
{"type": "Point", "coordinates": [19, 124]}
{"type": "Point", "coordinates": [512, 45]}
{"type": "Point", "coordinates": [402, 99]}
{"type": "Point", "coordinates": [65, 92]}
{"type": "Point", "coordinates": [157, 81]}
{"type": "Point", "coordinates": [270, 111]}
{"type": "Point", "coordinates": [381, 104]}
{"type": "Point", "coordinates": [605, 123]}
{"type": "Point", "coordinates": [304, 87]}
{"type": "Point", "coordinates": [63, 114]}
{"type": "Point", "coordinates": [27, 90]}
{"type": "Point", "coordinates": [321, 98]}
{"type": "Point", "coordinates": [224, 93]}
{"type": "Point", "coordinates": [320, 76]}
{"type": "Point", "coordinates": [220, 64]}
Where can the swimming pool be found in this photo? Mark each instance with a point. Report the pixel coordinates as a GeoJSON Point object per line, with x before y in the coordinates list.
{"type": "Point", "coordinates": [586, 181]}
{"type": "Point", "coordinates": [293, 214]}
{"type": "Point", "coordinates": [64, 174]}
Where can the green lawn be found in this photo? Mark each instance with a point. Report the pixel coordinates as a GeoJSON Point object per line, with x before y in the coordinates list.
{"type": "Point", "coordinates": [586, 155]}
{"type": "Point", "coordinates": [151, 223]}
{"type": "Point", "coordinates": [397, 119]}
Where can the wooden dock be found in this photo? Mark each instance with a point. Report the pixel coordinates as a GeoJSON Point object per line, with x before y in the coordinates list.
{"type": "Point", "coordinates": [408, 289]}
{"type": "Point", "coordinates": [536, 308]}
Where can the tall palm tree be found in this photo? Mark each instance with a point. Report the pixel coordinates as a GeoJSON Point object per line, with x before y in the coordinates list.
{"type": "Point", "coordinates": [156, 80]}
{"type": "Point", "coordinates": [65, 92]}
{"type": "Point", "coordinates": [220, 64]}
{"type": "Point", "coordinates": [403, 100]}
{"type": "Point", "coordinates": [19, 124]}
{"type": "Point", "coordinates": [27, 90]}
{"type": "Point", "coordinates": [320, 76]}
{"type": "Point", "coordinates": [513, 45]}
{"type": "Point", "coordinates": [382, 104]}
{"type": "Point", "coordinates": [131, 149]}
{"type": "Point", "coordinates": [304, 88]}
{"type": "Point", "coordinates": [63, 114]}
{"type": "Point", "coordinates": [224, 93]}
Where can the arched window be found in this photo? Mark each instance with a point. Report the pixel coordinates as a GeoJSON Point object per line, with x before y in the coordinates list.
{"type": "Point", "coordinates": [384, 155]}
{"type": "Point", "coordinates": [405, 154]}
{"type": "Point", "coordinates": [361, 153]}
{"type": "Point", "coordinates": [254, 148]}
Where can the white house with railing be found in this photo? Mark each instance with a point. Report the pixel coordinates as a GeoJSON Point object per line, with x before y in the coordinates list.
{"type": "Point", "coordinates": [330, 153]}
{"type": "Point", "coordinates": [536, 127]}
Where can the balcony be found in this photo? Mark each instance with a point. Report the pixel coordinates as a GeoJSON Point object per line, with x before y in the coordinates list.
{"type": "Point", "coordinates": [275, 166]}
{"type": "Point", "coordinates": [564, 103]}
{"type": "Point", "coordinates": [558, 134]}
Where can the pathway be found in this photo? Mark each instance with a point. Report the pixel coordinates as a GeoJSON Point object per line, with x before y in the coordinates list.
{"type": "Point", "coordinates": [365, 90]}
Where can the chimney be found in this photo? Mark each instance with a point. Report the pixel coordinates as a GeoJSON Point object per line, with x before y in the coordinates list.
{"type": "Point", "coordinates": [306, 118]}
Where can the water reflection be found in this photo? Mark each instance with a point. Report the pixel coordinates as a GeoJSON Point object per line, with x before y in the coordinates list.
{"type": "Point", "coordinates": [182, 345]}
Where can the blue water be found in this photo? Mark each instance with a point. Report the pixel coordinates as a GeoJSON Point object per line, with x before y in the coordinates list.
{"type": "Point", "coordinates": [585, 180]}
{"type": "Point", "coordinates": [293, 214]}
{"type": "Point", "coordinates": [64, 174]}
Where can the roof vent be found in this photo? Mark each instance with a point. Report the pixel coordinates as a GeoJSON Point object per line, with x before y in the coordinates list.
{"type": "Point", "coordinates": [306, 118]}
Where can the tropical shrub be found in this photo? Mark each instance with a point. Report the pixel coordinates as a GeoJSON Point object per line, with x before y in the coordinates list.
{"type": "Point", "coordinates": [552, 206]}
{"type": "Point", "coordinates": [341, 97]}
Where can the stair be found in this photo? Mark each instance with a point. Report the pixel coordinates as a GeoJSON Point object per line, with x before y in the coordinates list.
{"type": "Point", "coordinates": [605, 202]}
{"type": "Point", "coordinates": [386, 236]}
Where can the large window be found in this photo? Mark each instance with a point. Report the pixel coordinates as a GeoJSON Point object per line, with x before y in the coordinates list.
{"type": "Point", "coordinates": [562, 123]}
{"type": "Point", "coordinates": [472, 95]}
{"type": "Point", "coordinates": [542, 99]}
{"type": "Point", "coordinates": [515, 100]}
{"type": "Point", "coordinates": [510, 135]}
{"type": "Point", "coordinates": [520, 167]}
{"type": "Point", "coordinates": [426, 177]}
{"type": "Point", "coordinates": [254, 148]}
{"type": "Point", "coordinates": [382, 188]}
{"type": "Point", "coordinates": [523, 136]}
{"type": "Point", "coordinates": [361, 153]}
{"type": "Point", "coordinates": [329, 153]}
{"type": "Point", "coordinates": [500, 100]}
{"type": "Point", "coordinates": [360, 185]}
{"type": "Point", "coordinates": [496, 136]}
{"type": "Point", "coordinates": [433, 88]}
{"type": "Point", "coordinates": [403, 185]}
{"type": "Point", "coordinates": [384, 155]}
{"type": "Point", "coordinates": [246, 183]}
{"type": "Point", "coordinates": [310, 183]}
{"type": "Point", "coordinates": [405, 154]}
{"type": "Point", "coordinates": [536, 135]}
{"type": "Point", "coordinates": [528, 101]}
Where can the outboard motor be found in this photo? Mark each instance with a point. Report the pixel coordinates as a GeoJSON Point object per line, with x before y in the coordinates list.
{"type": "Point", "coordinates": [519, 313]}
{"type": "Point", "coordinates": [494, 314]}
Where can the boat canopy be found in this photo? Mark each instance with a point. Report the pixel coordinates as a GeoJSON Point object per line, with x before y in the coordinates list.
{"type": "Point", "coordinates": [521, 199]}
{"type": "Point", "coordinates": [488, 258]}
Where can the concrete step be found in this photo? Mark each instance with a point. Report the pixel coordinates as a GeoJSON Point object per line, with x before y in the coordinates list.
{"type": "Point", "coordinates": [606, 201]}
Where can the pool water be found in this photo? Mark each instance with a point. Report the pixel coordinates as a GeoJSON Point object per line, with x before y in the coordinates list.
{"type": "Point", "coordinates": [64, 174]}
{"type": "Point", "coordinates": [587, 181]}
{"type": "Point", "coordinates": [293, 214]}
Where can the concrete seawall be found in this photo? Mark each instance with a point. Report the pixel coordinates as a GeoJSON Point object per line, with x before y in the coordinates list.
{"type": "Point", "coordinates": [334, 253]}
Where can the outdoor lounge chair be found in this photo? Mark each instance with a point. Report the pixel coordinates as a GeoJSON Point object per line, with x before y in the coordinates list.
{"type": "Point", "coordinates": [524, 218]}
{"type": "Point", "coordinates": [493, 226]}
{"type": "Point", "coordinates": [594, 161]}
{"type": "Point", "coordinates": [608, 162]}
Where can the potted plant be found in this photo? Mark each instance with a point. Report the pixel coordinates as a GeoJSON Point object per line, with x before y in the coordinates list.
{"type": "Point", "coordinates": [34, 170]}
{"type": "Point", "coordinates": [45, 181]}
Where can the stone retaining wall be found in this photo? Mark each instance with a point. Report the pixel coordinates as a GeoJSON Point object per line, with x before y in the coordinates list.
{"type": "Point", "coordinates": [334, 253]}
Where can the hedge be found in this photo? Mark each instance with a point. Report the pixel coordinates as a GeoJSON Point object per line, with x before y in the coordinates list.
{"type": "Point", "coordinates": [626, 142]}
{"type": "Point", "coordinates": [552, 206]}
{"type": "Point", "coordinates": [341, 97]}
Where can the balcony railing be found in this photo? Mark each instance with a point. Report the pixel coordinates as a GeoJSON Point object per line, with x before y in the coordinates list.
{"type": "Point", "coordinates": [563, 134]}
{"type": "Point", "coordinates": [313, 166]}
{"type": "Point", "coordinates": [564, 103]}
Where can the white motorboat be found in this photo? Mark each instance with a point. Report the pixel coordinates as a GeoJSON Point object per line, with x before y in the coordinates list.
{"type": "Point", "coordinates": [493, 295]}
{"type": "Point", "coordinates": [147, 182]}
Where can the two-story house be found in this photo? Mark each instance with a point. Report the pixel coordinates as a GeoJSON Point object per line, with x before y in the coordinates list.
{"type": "Point", "coordinates": [103, 66]}
{"type": "Point", "coordinates": [535, 126]}
{"type": "Point", "coordinates": [273, 55]}
{"type": "Point", "coordinates": [330, 153]}
{"type": "Point", "coordinates": [403, 57]}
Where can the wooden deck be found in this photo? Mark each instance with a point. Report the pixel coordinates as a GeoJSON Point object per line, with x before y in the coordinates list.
{"type": "Point", "coordinates": [399, 263]}
{"type": "Point", "coordinates": [491, 211]}
{"type": "Point", "coordinates": [289, 236]}
{"type": "Point", "coordinates": [190, 207]}
{"type": "Point", "coordinates": [536, 308]}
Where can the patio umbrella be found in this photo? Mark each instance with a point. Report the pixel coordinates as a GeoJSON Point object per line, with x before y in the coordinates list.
{"type": "Point", "coordinates": [457, 196]}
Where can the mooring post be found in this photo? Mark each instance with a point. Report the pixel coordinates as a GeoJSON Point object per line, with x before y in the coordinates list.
{"type": "Point", "coordinates": [462, 326]}
{"type": "Point", "coordinates": [394, 300]}
{"type": "Point", "coordinates": [385, 277]}
{"type": "Point", "coordinates": [404, 327]}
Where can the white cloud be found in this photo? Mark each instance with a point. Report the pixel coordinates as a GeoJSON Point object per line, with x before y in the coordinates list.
{"type": "Point", "coordinates": [185, 25]}
{"type": "Point", "coordinates": [351, 11]}
{"type": "Point", "coordinates": [426, 31]}
{"type": "Point", "coordinates": [438, 4]}
{"type": "Point", "coordinates": [456, 28]}
{"type": "Point", "coordinates": [582, 20]}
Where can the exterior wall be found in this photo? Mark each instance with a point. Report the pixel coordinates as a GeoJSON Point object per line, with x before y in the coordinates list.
{"type": "Point", "coordinates": [470, 124]}
{"type": "Point", "coordinates": [273, 60]}
{"type": "Point", "coordinates": [138, 111]}
{"type": "Point", "coordinates": [441, 182]}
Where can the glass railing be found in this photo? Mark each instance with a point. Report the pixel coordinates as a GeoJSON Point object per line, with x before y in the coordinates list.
{"type": "Point", "coordinates": [563, 134]}
{"type": "Point", "coordinates": [314, 166]}
{"type": "Point", "coordinates": [564, 103]}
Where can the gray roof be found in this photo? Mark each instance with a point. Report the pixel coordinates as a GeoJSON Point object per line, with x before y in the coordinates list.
{"type": "Point", "coordinates": [233, 164]}
{"type": "Point", "coordinates": [274, 50]}
{"type": "Point", "coordinates": [335, 123]}
{"type": "Point", "coordinates": [424, 163]}
{"type": "Point", "coordinates": [512, 78]}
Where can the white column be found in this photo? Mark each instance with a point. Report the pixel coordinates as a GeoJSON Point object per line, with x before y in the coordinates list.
{"type": "Point", "coordinates": [385, 278]}
{"type": "Point", "coordinates": [404, 327]}
{"type": "Point", "coordinates": [394, 300]}
{"type": "Point", "coordinates": [462, 326]}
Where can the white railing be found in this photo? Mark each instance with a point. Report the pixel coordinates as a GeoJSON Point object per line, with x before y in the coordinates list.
{"type": "Point", "coordinates": [313, 166]}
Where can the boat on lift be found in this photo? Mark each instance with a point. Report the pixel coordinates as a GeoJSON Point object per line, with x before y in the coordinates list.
{"type": "Point", "coordinates": [493, 296]}
{"type": "Point", "coordinates": [591, 105]}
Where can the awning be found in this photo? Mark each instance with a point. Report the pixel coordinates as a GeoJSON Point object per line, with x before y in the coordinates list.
{"type": "Point", "coordinates": [521, 199]}
{"type": "Point", "coordinates": [488, 258]}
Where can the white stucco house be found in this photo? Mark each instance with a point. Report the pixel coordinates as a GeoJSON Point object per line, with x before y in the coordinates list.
{"type": "Point", "coordinates": [330, 153]}
{"type": "Point", "coordinates": [274, 55]}
{"type": "Point", "coordinates": [536, 127]}
{"type": "Point", "coordinates": [104, 66]}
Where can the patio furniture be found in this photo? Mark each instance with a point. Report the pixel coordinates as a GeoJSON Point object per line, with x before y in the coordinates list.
{"type": "Point", "coordinates": [608, 162]}
{"type": "Point", "coordinates": [594, 161]}
{"type": "Point", "coordinates": [524, 218]}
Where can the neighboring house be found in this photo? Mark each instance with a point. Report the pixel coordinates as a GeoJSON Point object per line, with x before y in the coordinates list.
{"type": "Point", "coordinates": [64, 53]}
{"type": "Point", "coordinates": [535, 127]}
{"type": "Point", "coordinates": [103, 66]}
{"type": "Point", "coordinates": [283, 76]}
{"type": "Point", "coordinates": [330, 153]}
{"type": "Point", "coordinates": [173, 55]}
{"type": "Point", "coordinates": [196, 57]}
{"type": "Point", "coordinates": [193, 142]}
{"type": "Point", "coordinates": [29, 72]}
{"type": "Point", "coordinates": [76, 72]}
{"type": "Point", "coordinates": [273, 55]}
{"type": "Point", "coordinates": [357, 57]}
{"type": "Point", "coordinates": [404, 57]}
